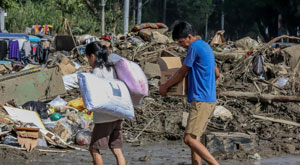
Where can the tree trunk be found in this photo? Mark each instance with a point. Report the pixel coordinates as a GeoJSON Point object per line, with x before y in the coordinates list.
{"type": "Point", "coordinates": [222, 16]}
{"type": "Point", "coordinates": [2, 25]}
{"type": "Point", "coordinates": [262, 30]}
{"type": "Point", "coordinates": [116, 15]}
{"type": "Point", "coordinates": [259, 97]}
{"type": "Point", "coordinates": [103, 17]}
{"type": "Point", "coordinates": [139, 14]}
{"type": "Point", "coordinates": [164, 11]}
{"type": "Point", "coordinates": [133, 12]}
{"type": "Point", "coordinates": [206, 25]}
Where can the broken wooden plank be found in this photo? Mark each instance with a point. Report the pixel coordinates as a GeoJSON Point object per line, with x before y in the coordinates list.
{"type": "Point", "coordinates": [259, 97]}
{"type": "Point", "coordinates": [23, 149]}
{"type": "Point", "coordinates": [277, 120]}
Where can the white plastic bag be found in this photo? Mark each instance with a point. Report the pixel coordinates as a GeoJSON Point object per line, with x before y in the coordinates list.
{"type": "Point", "coordinates": [70, 81]}
{"type": "Point", "coordinates": [109, 96]}
{"type": "Point", "coordinates": [57, 102]}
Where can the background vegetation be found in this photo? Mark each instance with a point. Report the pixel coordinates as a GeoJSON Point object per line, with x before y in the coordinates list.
{"type": "Point", "coordinates": [242, 17]}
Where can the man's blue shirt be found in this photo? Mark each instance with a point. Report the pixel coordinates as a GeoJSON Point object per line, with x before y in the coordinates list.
{"type": "Point", "coordinates": [201, 75]}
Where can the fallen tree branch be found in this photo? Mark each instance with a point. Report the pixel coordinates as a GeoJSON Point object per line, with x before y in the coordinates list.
{"type": "Point", "coordinates": [92, 7]}
{"type": "Point", "coordinates": [280, 37]}
{"type": "Point", "coordinates": [136, 138]}
{"type": "Point", "coordinates": [277, 120]}
{"type": "Point", "coordinates": [259, 97]}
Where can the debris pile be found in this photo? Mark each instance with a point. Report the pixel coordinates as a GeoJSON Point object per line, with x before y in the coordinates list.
{"type": "Point", "coordinates": [258, 94]}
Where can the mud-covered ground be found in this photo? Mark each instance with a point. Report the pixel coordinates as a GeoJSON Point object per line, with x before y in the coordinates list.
{"type": "Point", "coordinates": [174, 152]}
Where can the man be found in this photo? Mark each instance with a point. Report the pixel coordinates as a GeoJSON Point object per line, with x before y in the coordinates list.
{"type": "Point", "coordinates": [202, 72]}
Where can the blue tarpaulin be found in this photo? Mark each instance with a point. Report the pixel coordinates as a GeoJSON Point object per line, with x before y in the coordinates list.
{"type": "Point", "coordinates": [34, 39]}
{"type": "Point", "coordinates": [13, 35]}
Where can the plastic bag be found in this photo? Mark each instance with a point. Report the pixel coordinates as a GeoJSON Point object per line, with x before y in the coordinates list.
{"type": "Point", "coordinates": [281, 82]}
{"type": "Point", "coordinates": [83, 137]}
{"type": "Point", "coordinates": [70, 81]}
{"type": "Point", "coordinates": [77, 103]}
{"type": "Point", "coordinates": [40, 107]}
{"type": "Point", "coordinates": [109, 96]}
{"type": "Point", "coordinates": [258, 64]}
{"type": "Point", "coordinates": [64, 129]}
{"type": "Point", "coordinates": [10, 140]}
{"type": "Point", "coordinates": [58, 102]}
{"type": "Point", "coordinates": [133, 76]}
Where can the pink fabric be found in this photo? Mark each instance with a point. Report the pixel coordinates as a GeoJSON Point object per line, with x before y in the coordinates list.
{"type": "Point", "coordinates": [133, 76]}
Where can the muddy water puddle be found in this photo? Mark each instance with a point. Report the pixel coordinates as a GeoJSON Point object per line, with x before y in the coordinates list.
{"type": "Point", "coordinates": [164, 153]}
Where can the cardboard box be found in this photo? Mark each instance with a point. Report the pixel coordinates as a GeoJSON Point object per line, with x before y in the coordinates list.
{"type": "Point", "coordinates": [66, 66]}
{"type": "Point", "coordinates": [27, 137]}
{"type": "Point", "coordinates": [177, 89]}
{"type": "Point", "coordinates": [168, 67]}
{"type": "Point", "coordinates": [167, 63]}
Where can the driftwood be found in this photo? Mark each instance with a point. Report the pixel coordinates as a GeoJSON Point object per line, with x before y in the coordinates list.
{"type": "Point", "coordinates": [280, 37]}
{"type": "Point", "coordinates": [259, 97]}
{"type": "Point", "coordinates": [234, 56]}
{"type": "Point", "coordinates": [277, 120]}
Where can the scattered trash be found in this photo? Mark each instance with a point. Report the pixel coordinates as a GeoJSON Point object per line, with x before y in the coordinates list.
{"type": "Point", "coordinates": [10, 140]}
{"type": "Point", "coordinates": [40, 107]}
{"type": "Point", "coordinates": [83, 137]}
{"type": "Point", "coordinates": [71, 81]}
{"type": "Point", "coordinates": [222, 113]}
{"type": "Point", "coordinates": [281, 82]}
{"type": "Point", "coordinates": [57, 102]}
{"type": "Point", "coordinates": [55, 116]}
{"type": "Point", "coordinates": [218, 38]}
{"type": "Point", "coordinates": [256, 156]}
{"type": "Point", "coordinates": [77, 104]}
{"type": "Point", "coordinates": [27, 137]}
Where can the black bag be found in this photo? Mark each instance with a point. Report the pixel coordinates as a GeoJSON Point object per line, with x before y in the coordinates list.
{"type": "Point", "coordinates": [258, 64]}
{"type": "Point", "coordinates": [3, 50]}
{"type": "Point", "coordinates": [64, 43]}
{"type": "Point", "coordinates": [43, 56]}
{"type": "Point", "coordinates": [40, 107]}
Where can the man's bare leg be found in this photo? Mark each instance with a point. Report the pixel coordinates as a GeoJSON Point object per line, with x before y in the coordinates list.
{"type": "Point", "coordinates": [119, 156]}
{"type": "Point", "coordinates": [97, 158]}
{"type": "Point", "coordinates": [199, 148]}
{"type": "Point", "coordinates": [196, 159]}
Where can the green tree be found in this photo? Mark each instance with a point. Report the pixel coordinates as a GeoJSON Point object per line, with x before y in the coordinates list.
{"type": "Point", "coordinates": [6, 4]}
{"type": "Point", "coordinates": [193, 11]}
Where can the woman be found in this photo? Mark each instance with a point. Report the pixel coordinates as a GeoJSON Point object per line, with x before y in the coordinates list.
{"type": "Point", "coordinates": [107, 132]}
